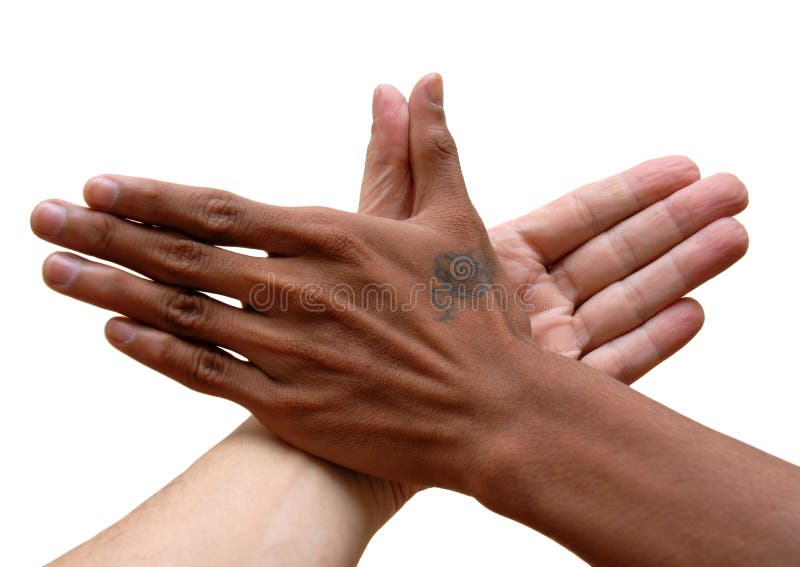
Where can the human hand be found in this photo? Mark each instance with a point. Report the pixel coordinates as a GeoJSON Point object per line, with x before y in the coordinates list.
{"type": "Point", "coordinates": [221, 214]}
{"type": "Point", "coordinates": [610, 262]}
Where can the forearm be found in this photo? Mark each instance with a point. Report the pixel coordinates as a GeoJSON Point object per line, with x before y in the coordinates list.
{"type": "Point", "coordinates": [251, 500]}
{"type": "Point", "coordinates": [621, 479]}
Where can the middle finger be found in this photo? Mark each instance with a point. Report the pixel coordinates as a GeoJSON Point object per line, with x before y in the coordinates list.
{"type": "Point", "coordinates": [162, 255]}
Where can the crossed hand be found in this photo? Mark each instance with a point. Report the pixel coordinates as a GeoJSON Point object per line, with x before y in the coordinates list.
{"type": "Point", "coordinates": [411, 395]}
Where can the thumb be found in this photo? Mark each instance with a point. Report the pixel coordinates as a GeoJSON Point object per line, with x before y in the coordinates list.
{"type": "Point", "coordinates": [435, 168]}
{"type": "Point", "coordinates": [386, 190]}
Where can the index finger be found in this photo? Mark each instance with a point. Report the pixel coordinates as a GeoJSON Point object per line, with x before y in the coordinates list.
{"type": "Point", "coordinates": [210, 215]}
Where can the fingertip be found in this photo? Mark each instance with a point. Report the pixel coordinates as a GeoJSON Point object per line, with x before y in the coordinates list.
{"type": "Point", "coordinates": [737, 236]}
{"type": "Point", "coordinates": [719, 245]}
{"type": "Point", "coordinates": [101, 192]}
{"type": "Point", "coordinates": [120, 331]}
{"type": "Point", "coordinates": [434, 89]}
{"type": "Point", "coordinates": [429, 91]}
{"type": "Point", "coordinates": [376, 102]}
{"type": "Point", "coordinates": [391, 92]}
{"type": "Point", "coordinates": [732, 190]}
{"type": "Point", "coordinates": [745, 238]}
{"type": "Point", "coordinates": [692, 303]}
{"type": "Point", "coordinates": [681, 171]}
{"type": "Point", "coordinates": [392, 100]}
{"type": "Point", "coordinates": [686, 166]}
{"type": "Point", "coordinates": [48, 217]}
{"type": "Point", "coordinates": [60, 269]}
{"type": "Point", "coordinates": [389, 108]}
{"type": "Point", "coordinates": [692, 315]}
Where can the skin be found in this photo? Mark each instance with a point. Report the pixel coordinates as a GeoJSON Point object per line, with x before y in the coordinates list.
{"type": "Point", "coordinates": [437, 192]}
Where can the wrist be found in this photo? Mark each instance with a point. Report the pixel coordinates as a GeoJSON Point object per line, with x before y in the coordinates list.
{"type": "Point", "coordinates": [307, 508]}
{"type": "Point", "coordinates": [509, 429]}
{"type": "Point", "coordinates": [540, 430]}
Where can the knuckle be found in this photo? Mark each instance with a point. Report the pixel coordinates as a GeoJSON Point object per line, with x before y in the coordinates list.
{"type": "Point", "coordinates": [294, 402]}
{"type": "Point", "coordinates": [167, 355]}
{"type": "Point", "coordinates": [153, 192]}
{"type": "Point", "coordinates": [182, 310]}
{"type": "Point", "coordinates": [441, 144]}
{"type": "Point", "coordinates": [181, 257]}
{"type": "Point", "coordinates": [320, 217]}
{"type": "Point", "coordinates": [294, 348]}
{"type": "Point", "coordinates": [220, 212]}
{"type": "Point", "coordinates": [104, 231]}
{"type": "Point", "coordinates": [334, 233]}
{"type": "Point", "coordinates": [208, 368]}
{"type": "Point", "coordinates": [623, 247]}
{"type": "Point", "coordinates": [291, 294]}
{"type": "Point", "coordinates": [382, 159]}
{"type": "Point", "coordinates": [617, 365]}
{"type": "Point", "coordinates": [150, 196]}
{"type": "Point", "coordinates": [115, 283]}
{"type": "Point", "coordinates": [343, 244]}
{"type": "Point", "coordinates": [636, 301]}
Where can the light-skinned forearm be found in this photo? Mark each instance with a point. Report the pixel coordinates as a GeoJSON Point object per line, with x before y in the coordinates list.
{"type": "Point", "coordinates": [251, 500]}
{"type": "Point", "coordinates": [621, 479]}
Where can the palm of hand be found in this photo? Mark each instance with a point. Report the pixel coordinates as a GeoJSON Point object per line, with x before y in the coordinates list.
{"type": "Point", "coordinates": [610, 263]}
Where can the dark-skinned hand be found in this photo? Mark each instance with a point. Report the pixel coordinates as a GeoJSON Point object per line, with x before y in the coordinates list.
{"type": "Point", "coordinates": [404, 393]}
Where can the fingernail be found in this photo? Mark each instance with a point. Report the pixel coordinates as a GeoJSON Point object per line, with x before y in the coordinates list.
{"type": "Point", "coordinates": [101, 192]}
{"type": "Point", "coordinates": [48, 218]}
{"type": "Point", "coordinates": [60, 269]}
{"type": "Point", "coordinates": [434, 89]}
{"type": "Point", "coordinates": [120, 331]}
{"type": "Point", "coordinates": [376, 102]}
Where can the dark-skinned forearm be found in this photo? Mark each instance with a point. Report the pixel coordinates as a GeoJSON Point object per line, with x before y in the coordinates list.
{"type": "Point", "coordinates": [621, 479]}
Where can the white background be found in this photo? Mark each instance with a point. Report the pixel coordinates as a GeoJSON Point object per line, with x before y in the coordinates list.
{"type": "Point", "coordinates": [273, 101]}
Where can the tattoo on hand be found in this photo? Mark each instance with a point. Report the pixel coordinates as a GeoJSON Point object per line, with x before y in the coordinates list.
{"type": "Point", "coordinates": [459, 281]}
